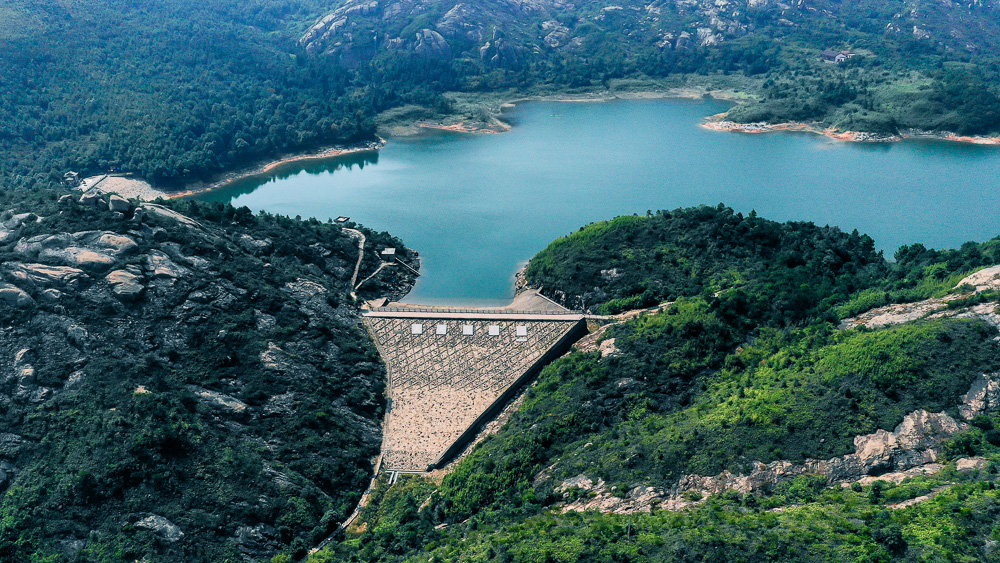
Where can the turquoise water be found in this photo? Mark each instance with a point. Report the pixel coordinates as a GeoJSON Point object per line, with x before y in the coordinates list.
{"type": "Point", "coordinates": [478, 206]}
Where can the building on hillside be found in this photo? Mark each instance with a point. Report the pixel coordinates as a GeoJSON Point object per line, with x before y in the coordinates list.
{"type": "Point", "coordinates": [389, 255]}
{"type": "Point", "coordinates": [837, 57]}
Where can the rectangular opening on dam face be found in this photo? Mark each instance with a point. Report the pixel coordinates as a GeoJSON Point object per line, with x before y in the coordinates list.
{"type": "Point", "coordinates": [444, 384]}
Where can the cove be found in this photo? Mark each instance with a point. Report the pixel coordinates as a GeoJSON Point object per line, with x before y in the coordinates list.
{"type": "Point", "coordinates": [478, 206]}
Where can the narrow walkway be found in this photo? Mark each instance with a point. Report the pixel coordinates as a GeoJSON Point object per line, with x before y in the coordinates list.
{"type": "Point", "coordinates": [361, 255]}
{"type": "Point", "coordinates": [377, 270]}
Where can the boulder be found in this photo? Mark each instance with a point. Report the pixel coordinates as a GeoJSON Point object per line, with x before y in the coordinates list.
{"type": "Point", "coordinates": [7, 472]}
{"type": "Point", "coordinates": [51, 295]}
{"type": "Point", "coordinates": [161, 212]}
{"type": "Point", "coordinates": [14, 296]}
{"type": "Point", "coordinates": [91, 198]}
{"type": "Point", "coordinates": [125, 285]}
{"type": "Point", "coordinates": [161, 526]}
{"type": "Point", "coordinates": [17, 221]}
{"type": "Point", "coordinates": [80, 257]}
{"type": "Point", "coordinates": [77, 335]}
{"type": "Point", "coordinates": [255, 246]}
{"type": "Point", "coordinates": [119, 204]}
{"type": "Point", "coordinates": [10, 445]}
{"type": "Point", "coordinates": [257, 541]}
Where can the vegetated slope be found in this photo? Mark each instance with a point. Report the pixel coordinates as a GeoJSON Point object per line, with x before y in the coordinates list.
{"type": "Point", "coordinates": [179, 387]}
{"type": "Point", "coordinates": [176, 92]}
{"type": "Point", "coordinates": [778, 273]}
{"type": "Point", "coordinates": [718, 382]}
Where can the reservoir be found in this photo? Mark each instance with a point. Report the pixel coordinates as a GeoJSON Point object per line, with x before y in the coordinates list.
{"type": "Point", "coordinates": [477, 206]}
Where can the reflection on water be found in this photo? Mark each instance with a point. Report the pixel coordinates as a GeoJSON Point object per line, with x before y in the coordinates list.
{"type": "Point", "coordinates": [477, 206]}
{"type": "Point", "coordinates": [329, 165]}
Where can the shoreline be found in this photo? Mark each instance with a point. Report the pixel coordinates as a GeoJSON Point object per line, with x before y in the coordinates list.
{"type": "Point", "coordinates": [144, 190]}
{"type": "Point", "coordinates": [140, 189]}
{"type": "Point", "coordinates": [718, 123]}
{"type": "Point", "coordinates": [266, 168]}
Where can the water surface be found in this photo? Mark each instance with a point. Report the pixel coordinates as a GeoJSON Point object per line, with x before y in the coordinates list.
{"type": "Point", "coordinates": [478, 206]}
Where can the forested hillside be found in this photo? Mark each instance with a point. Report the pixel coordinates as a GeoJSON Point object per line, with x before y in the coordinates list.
{"type": "Point", "coordinates": [179, 384]}
{"type": "Point", "coordinates": [175, 92]}
{"type": "Point", "coordinates": [744, 421]}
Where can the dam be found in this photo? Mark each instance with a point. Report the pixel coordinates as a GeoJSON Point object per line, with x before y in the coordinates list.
{"type": "Point", "coordinates": [451, 370]}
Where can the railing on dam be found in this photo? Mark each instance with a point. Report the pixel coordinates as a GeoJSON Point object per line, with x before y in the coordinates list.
{"type": "Point", "coordinates": [470, 311]}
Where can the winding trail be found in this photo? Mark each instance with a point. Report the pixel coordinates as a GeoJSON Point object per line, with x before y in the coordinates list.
{"type": "Point", "coordinates": [361, 255]}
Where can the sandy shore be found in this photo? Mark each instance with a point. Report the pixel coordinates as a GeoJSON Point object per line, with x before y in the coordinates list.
{"type": "Point", "coordinates": [124, 186]}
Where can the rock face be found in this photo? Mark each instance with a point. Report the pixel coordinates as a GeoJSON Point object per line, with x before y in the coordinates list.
{"type": "Point", "coordinates": [982, 280]}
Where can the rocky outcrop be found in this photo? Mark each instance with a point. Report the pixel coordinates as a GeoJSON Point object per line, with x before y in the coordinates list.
{"type": "Point", "coordinates": [983, 397]}
{"type": "Point", "coordinates": [937, 307]}
{"type": "Point", "coordinates": [598, 496]}
{"type": "Point", "coordinates": [911, 449]}
{"type": "Point", "coordinates": [43, 275]}
{"type": "Point", "coordinates": [219, 400]}
{"type": "Point", "coordinates": [87, 250]}
{"type": "Point", "coordinates": [162, 527]}
{"type": "Point", "coordinates": [431, 44]}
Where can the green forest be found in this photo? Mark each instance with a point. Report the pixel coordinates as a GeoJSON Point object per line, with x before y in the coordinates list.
{"type": "Point", "coordinates": [175, 92]}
